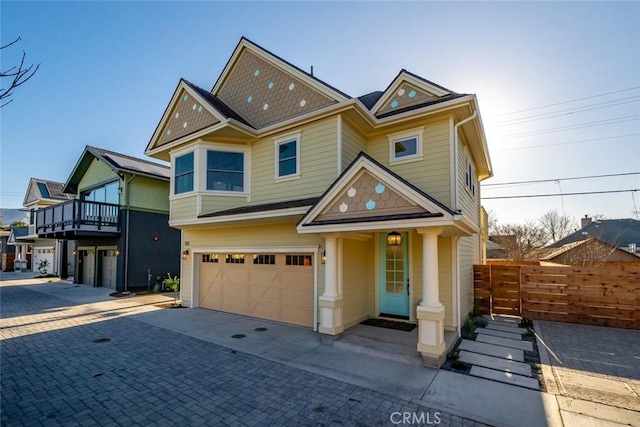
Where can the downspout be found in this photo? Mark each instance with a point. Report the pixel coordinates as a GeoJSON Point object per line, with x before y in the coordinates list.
{"type": "Point", "coordinates": [455, 154]}
{"type": "Point", "coordinates": [126, 237]}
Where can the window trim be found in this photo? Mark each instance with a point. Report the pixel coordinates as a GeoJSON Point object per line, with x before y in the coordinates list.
{"type": "Point", "coordinates": [393, 138]}
{"type": "Point", "coordinates": [470, 176]}
{"type": "Point", "coordinates": [285, 139]}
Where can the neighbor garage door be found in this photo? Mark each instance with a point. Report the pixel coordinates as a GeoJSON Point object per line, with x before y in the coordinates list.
{"type": "Point", "coordinates": [269, 286]}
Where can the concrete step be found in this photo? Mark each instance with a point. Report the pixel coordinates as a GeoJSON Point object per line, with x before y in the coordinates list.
{"type": "Point", "coordinates": [496, 363]}
{"type": "Point", "coordinates": [505, 342]}
{"type": "Point", "coordinates": [381, 350]}
{"type": "Point", "coordinates": [492, 350]}
{"type": "Point", "coordinates": [495, 333]}
{"type": "Point", "coordinates": [505, 377]}
{"type": "Point", "coordinates": [503, 323]}
{"type": "Point", "coordinates": [503, 318]}
{"type": "Point", "coordinates": [509, 329]}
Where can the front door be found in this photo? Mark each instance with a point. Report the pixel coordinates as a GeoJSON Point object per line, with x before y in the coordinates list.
{"type": "Point", "coordinates": [394, 277]}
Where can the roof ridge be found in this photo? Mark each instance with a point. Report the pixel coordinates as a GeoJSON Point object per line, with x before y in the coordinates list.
{"type": "Point", "coordinates": [128, 156]}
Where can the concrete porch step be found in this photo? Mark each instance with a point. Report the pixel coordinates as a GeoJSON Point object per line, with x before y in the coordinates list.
{"type": "Point", "coordinates": [381, 350]}
{"type": "Point", "coordinates": [507, 320]}
{"type": "Point", "coordinates": [505, 377]}
{"type": "Point", "coordinates": [496, 363]}
{"type": "Point", "coordinates": [503, 323]}
{"type": "Point", "coordinates": [500, 334]}
{"type": "Point", "coordinates": [510, 329]}
{"type": "Point", "coordinates": [492, 350]}
{"type": "Point", "coordinates": [505, 342]}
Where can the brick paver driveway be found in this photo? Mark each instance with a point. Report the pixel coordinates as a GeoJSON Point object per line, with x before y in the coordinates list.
{"type": "Point", "coordinates": [55, 373]}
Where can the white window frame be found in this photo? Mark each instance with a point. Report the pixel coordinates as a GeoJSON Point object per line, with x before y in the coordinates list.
{"type": "Point", "coordinates": [470, 176]}
{"type": "Point", "coordinates": [285, 139]}
{"type": "Point", "coordinates": [401, 136]}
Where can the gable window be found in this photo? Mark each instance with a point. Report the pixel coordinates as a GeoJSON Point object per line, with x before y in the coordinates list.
{"type": "Point", "coordinates": [183, 179]}
{"type": "Point", "coordinates": [225, 171]}
{"type": "Point", "coordinates": [405, 146]}
{"type": "Point", "coordinates": [287, 156]}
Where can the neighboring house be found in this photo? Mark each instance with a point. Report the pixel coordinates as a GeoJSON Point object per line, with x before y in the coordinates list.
{"type": "Point", "coordinates": [496, 249]}
{"type": "Point", "coordinates": [22, 250]}
{"type": "Point", "coordinates": [300, 204]}
{"type": "Point", "coordinates": [40, 194]}
{"type": "Point", "coordinates": [117, 223]}
{"type": "Point", "coordinates": [619, 233]}
{"type": "Point", "coordinates": [7, 251]}
{"type": "Point", "coordinates": [590, 251]}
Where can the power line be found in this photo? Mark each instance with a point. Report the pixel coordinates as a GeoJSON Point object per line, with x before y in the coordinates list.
{"type": "Point", "coordinates": [565, 143]}
{"type": "Point", "coordinates": [572, 127]}
{"type": "Point", "coordinates": [567, 102]}
{"type": "Point", "coordinates": [560, 194]}
{"type": "Point", "coordinates": [561, 179]}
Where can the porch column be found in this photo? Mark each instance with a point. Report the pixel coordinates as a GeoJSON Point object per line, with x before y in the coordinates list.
{"type": "Point", "coordinates": [430, 311]}
{"type": "Point", "coordinates": [330, 302]}
{"type": "Point", "coordinates": [23, 257]}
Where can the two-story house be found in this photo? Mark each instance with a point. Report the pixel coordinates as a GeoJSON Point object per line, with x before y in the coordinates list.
{"type": "Point", "coordinates": [301, 204]}
{"type": "Point", "coordinates": [117, 222]}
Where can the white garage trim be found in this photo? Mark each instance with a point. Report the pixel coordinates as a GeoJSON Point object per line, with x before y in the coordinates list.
{"type": "Point", "coordinates": [194, 260]}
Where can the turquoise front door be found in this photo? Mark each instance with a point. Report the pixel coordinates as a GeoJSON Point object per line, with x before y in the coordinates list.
{"type": "Point", "coordinates": [394, 277]}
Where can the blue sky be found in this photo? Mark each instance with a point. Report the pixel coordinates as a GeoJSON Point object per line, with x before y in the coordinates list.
{"type": "Point", "coordinates": [108, 71]}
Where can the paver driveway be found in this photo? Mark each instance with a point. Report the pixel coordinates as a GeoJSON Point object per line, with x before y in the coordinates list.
{"type": "Point", "coordinates": [54, 373]}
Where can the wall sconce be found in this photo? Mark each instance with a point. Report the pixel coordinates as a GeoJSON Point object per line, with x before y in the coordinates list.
{"type": "Point", "coordinates": [323, 259]}
{"type": "Point", "coordinates": [117, 252]}
{"type": "Point", "coordinates": [394, 239]}
{"type": "Point", "coordinates": [185, 254]}
{"type": "Point", "coordinates": [74, 252]}
{"type": "Point", "coordinates": [155, 239]}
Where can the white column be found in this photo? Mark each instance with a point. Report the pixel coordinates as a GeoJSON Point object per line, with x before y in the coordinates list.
{"type": "Point", "coordinates": [331, 267]}
{"type": "Point", "coordinates": [430, 280]}
{"type": "Point", "coordinates": [23, 257]}
{"type": "Point", "coordinates": [330, 302]}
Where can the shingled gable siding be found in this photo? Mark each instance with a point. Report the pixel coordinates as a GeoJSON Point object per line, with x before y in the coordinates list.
{"type": "Point", "coordinates": [318, 151]}
{"type": "Point", "coordinates": [97, 174]}
{"type": "Point", "coordinates": [149, 195]}
{"type": "Point", "coordinates": [266, 236]}
{"type": "Point", "coordinates": [353, 142]}
{"type": "Point", "coordinates": [432, 174]}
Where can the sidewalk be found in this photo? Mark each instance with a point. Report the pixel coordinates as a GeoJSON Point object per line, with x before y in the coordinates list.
{"type": "Point", "coordinates": [482, 400]}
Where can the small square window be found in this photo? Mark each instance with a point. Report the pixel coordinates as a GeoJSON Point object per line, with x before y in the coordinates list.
{"type": "Point", "coordinates": [264, 259]}
{"type": "Point", "coordinates": [405, 148]}
{"type": "Point", "coordinates": [304, 260]}
{"type": "Point", "coordinates": [213, 258]}
{"type": "Point", "coordinates": [234, 259]}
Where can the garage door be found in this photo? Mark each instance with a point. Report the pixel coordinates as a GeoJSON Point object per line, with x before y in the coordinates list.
{"type": "Point", "coordinates": [40, 255]}
{"type": "Point", "coordinates": [269, 286]}
{"type": "Point", "coordinates": [109, 268]}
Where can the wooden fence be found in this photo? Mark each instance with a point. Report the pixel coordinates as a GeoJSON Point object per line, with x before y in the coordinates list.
{"type": "Point", "coordinates": [606, 296]}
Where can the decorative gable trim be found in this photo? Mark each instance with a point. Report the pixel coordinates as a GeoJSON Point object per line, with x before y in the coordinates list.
{"type": "Point", "coordinates": [409, 89]}
{"type": "Point", "coordinates": [362, 187]}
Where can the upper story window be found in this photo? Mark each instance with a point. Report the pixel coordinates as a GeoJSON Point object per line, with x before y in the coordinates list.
{"type": "Point", "coordinates": [183, 180]}
{"type": "Point", "coordinates": [288, 156]}
{"type": "Point", "coordinates": [107, 193]}
{"type": "Point", "coordinates": [470, 177]}
{"type": "Point", "coordinates": [225, 171]}
{"type": "Point", "coordinates": [405, 146]}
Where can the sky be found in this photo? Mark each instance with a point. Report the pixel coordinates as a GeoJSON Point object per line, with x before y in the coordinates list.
{"type": "Point", "coordinates": [558, 83]}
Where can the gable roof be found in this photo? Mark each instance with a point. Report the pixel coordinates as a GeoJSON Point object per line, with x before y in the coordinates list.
{"type": "Point", "coordinates": [42, 189]}
{"type": "Point", "coordinates": [568, 247]}
{"type": "Point", "coordinates": [615, 232]}
{"type": "Point", "coordinates": [368, 192]}
{"type": "Point", "coordinates": [119, 163]}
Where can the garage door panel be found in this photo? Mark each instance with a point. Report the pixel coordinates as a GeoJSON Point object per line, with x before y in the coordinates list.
{"type": "Point", "coordinates": [277, 292]}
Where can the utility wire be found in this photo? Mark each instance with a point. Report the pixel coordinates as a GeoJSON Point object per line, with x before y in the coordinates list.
{"type": "Point", "coordinates": [567, 102]}
{"type": "Point", "coordinates": [565, 143]}
{"type": "Point", "coordinates": [572, 127]}
{"type": "Point", "coordinates": [561, 179]}
{"type": "Point", "coordinates": [560, 194]}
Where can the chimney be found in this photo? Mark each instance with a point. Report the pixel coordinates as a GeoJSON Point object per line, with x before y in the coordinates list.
{"type": "Point", "coordinates": [585, 221]}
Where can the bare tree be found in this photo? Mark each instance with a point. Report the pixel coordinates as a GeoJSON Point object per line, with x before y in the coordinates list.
{"type": "Point", "coordinates": [557, 225]}
{"type": "Point", "coordinates": [17, 75]}
{"type": "Point", "coordinates": [522, 242]}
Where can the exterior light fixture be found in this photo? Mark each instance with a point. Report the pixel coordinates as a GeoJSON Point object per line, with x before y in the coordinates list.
{"type": "Point", "coordinates": [117, 252]}
{"type": "Point", "coordinates": [74, 252]}
{"type": "Point", "coordinates": [394, 239]}
{"type": "Point", "coordinates": [185, 254]}
{"type": "Point", "coordinates": [323, 259]}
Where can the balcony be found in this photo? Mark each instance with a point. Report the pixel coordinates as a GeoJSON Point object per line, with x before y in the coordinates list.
{"type": "Point", "coordinates": [77, 219]}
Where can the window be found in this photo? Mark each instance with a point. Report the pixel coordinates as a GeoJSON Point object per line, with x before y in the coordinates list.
{"type": "Point", "coordinates": [234, 259]}
{"type": "Point", "coordinates": [107, 193]}
{"type": "Point", "coordinates": [264, 259]}
{"type": "Point", "coordinates": [210, 258]}
{"type": "Point", "coordinates": [287, 159]}
{"type": "Point", "coordinates": [470, 178]}
{"type": "Point", "coordinates": [225, 171]}
{"type": "Point", "coordinates": [298, 260]}
{"type": "Point", "coordinates": [405, 146]}
{"type": "Point", "coordinates": [183, 181]}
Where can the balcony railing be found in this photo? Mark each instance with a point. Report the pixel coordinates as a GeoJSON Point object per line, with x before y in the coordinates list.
{"type": "Point", "coordinates": [77, 217]}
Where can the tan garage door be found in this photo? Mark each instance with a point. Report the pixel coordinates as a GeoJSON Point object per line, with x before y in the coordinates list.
{"type": "Point", "coordinates": [269, 286]}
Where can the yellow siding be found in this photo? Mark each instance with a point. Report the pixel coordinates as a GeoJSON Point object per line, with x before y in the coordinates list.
{"type": "Point", "coordinates": [358, 283]}
{"type": "Point", "coordinates": [183, 208]}
{"type": "Point", "coordinates": [468, 203]}
{"type": "Point", "coordinates": [98, 173]}
{"type": "Point", "coordinates": [353, 142]}
{"type": "Point", "coordinates": [469, 254]}
{"type": "Point", "coordinates": [432, 174]}
{"type": "Point", "coordinates": [318, 151]}
{"type": "Point", "coordinates": [149, 194]}
{"type": "Point", "coordinates": [211, 203]}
